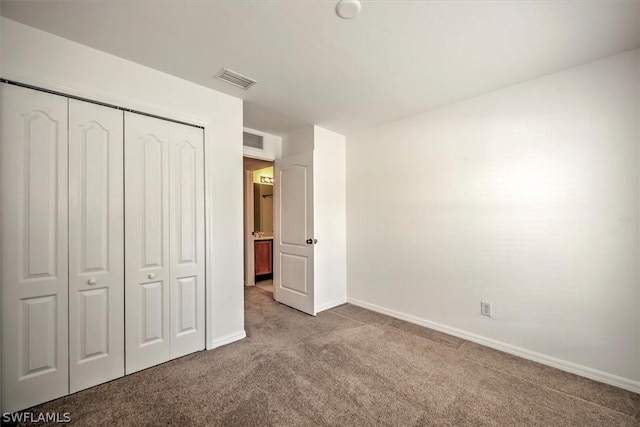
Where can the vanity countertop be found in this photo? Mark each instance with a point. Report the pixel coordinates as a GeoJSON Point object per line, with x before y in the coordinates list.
{"type": "Point", "coordinates": [263, 238]}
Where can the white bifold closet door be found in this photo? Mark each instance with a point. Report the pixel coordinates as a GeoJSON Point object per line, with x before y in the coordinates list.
{"type": "Point", "coordinates": [96, 242]}
{"type": "Point", "coordinates": [164, 241]}
{"type": "Point", "coordinates": [33, 168]}
{"type": "Point", "coordinates": [66, 171]}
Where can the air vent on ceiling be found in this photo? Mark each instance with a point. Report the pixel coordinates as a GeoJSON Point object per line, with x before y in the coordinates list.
{"type": "Point", "coordinates": [235, 79]}
{"type": "Point", "coordinates": [252, 140]}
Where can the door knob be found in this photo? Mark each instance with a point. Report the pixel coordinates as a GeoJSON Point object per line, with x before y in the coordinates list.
{"type": "Point", "coordinates": [152, 275]}
{"type": "Point", "coordinates": [92, 281]}
{"type": "Point", "coordinates": [312, 241]}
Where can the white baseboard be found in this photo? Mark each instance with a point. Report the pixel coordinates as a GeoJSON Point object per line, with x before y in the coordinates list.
{"type": "Point", "coordinates": [227, 339]}
{"type": "Point", "coordinates": [564, 365]}
{"type": "Point", "coordinates": [331, 304]}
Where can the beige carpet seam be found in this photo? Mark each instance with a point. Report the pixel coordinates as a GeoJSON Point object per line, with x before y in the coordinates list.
{"type": "Point", "coordinates": [347, 317]}
{"type": "Point", "coordinates": [455, 349]}
{"type": "Point", "coordinates": [554, 389]}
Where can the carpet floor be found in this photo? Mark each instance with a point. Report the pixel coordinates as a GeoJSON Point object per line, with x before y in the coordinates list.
{"type": "Point", "coordinates": [347, 367]}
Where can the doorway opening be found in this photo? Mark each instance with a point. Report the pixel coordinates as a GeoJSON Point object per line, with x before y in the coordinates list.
{"type": "Point", "coordinates": [258, 223]}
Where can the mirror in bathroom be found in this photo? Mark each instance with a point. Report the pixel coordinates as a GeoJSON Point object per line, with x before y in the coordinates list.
{"type": "Point", "coordinates": [263, 208]}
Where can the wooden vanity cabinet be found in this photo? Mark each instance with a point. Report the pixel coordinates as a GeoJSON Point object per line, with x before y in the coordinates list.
{"type": "Point", "coordinates": [263, 250]}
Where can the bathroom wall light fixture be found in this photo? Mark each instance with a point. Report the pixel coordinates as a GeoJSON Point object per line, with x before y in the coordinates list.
{"type": "Point", "coordinates": [266, 180]}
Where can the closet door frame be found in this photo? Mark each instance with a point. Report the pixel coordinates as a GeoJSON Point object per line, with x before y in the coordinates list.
{"type": "Point", "coordinates": [163, 108]}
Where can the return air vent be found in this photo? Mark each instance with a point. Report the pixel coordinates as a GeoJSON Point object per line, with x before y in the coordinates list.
{"type": "Point", "coordinates": [252, 140]}
{"type": "Point", "coordinates": [235, 79]}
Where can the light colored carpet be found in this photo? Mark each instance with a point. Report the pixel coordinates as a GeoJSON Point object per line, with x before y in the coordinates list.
{"type": "Point", "coordinates": [348, 367]}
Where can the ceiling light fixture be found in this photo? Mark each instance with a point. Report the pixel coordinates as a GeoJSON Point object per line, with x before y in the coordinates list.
{"type": "Point", "coordinates": [348, 9]}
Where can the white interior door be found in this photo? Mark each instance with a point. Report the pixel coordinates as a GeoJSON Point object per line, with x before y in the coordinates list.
{"type": "Point", "coordinates": [96, 243]}
{"type": "Point", "coordinates": [33, 165]}
{"type": "Point", "coordinates": [293, 278]}
{"type": "Point", "coordinates": [147, 277]}
{"type": "Point", "coordinates": [186, 235]}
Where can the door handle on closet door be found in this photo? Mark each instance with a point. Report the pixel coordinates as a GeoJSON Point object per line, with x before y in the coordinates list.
{"type": "Point", "coordinates": [151, 275]}
{"type": "Point", "coordinates": [92, 281]}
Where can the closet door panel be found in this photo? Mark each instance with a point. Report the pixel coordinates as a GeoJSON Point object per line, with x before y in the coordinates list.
{"type": "Point", "coordinates": [186, 239]}
{"type": "Point", "coordinates": [33, 224]}
{"type": "Point", "coordinates": [96, 245]}
{"type": "Point", "coordinates": [147, 264]}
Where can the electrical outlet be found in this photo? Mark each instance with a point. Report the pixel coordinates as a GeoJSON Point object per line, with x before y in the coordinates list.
{"type": "Point", "coordinates": [485, 308]}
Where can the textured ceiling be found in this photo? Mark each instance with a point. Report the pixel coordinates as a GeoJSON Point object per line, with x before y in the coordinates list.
{"type": "Point", "coordinates": [396, 59]}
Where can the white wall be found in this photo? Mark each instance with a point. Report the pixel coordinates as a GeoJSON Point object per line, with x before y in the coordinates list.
{"type": "Point", "coordinates": [638, 258]}
{"type": "Point", "coordinates": [35, 57]}
{"type": "Point", "coordinates": [298, 141]}
{"type": "Point", "coordinates": [329, 218]}
{"type": "Point", "coordinates": [527, 198]}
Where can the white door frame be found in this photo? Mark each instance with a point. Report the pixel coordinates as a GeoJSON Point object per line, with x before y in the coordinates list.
{"type": "Point", "coordinates": [249, 262]}
{"type": "Point", "coordinates": [162, 111]}
{"type": "Point", "coordinates": [249, 226]}
{"type": "Point", "coordinates": [224, 323]}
